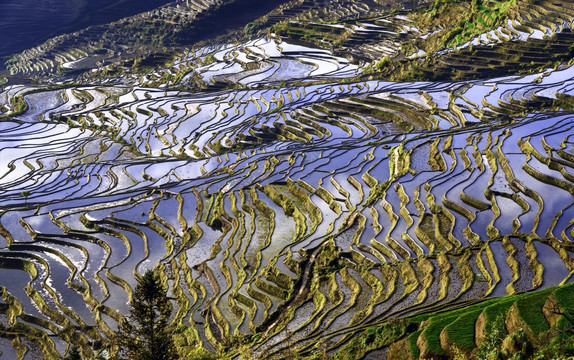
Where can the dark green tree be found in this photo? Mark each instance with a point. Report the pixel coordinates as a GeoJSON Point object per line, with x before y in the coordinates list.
{"type": "Point", "coordinates": [145, 334]}
{"type": "Point", "coordinates": [73, 353]}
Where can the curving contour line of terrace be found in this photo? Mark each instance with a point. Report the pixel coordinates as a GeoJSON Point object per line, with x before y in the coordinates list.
{"type": "Point", "coordinates": [302, 212]}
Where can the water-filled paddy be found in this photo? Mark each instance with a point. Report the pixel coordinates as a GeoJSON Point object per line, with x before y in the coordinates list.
{"type": "Point", "coordinates": [24, 24]}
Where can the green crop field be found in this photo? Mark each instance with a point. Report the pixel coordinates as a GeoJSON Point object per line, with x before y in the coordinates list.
{"type": "Point", "coordinates": [305, 179]}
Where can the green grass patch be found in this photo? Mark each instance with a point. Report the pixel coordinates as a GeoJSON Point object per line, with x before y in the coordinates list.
{"type": "Point", "coordinates": [461, 331]}
{"type": "Point", "coordinates": [481, 18]}
{"type": "Point", "coordinates": [373, 338]}
{"type": "Point", "coordinates": [413, 347]}
{"type": "Point", "coordinates": [565, 297]}
{"type": "Point", "coordinates": [498, 308]}
{"type": "Point", "coordinates": [314, 33]}
{"type": "Point", "coordinates": [432, 332]}
{"type": "Point", "coordinates": [377, 193]}
{"type": "Point", "coordinates": [530, 310]}
{"type": "Point", "coordinates": [19, 104]}
{"type": "Point", "coordinates": [460, 324]}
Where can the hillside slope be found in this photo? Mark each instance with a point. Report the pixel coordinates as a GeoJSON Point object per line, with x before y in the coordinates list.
{"type": "Point", "coordinates": [340, 179]}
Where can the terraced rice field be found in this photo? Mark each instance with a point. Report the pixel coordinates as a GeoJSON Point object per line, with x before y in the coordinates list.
{"type": "Point", "coordinates": [299, 207]}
